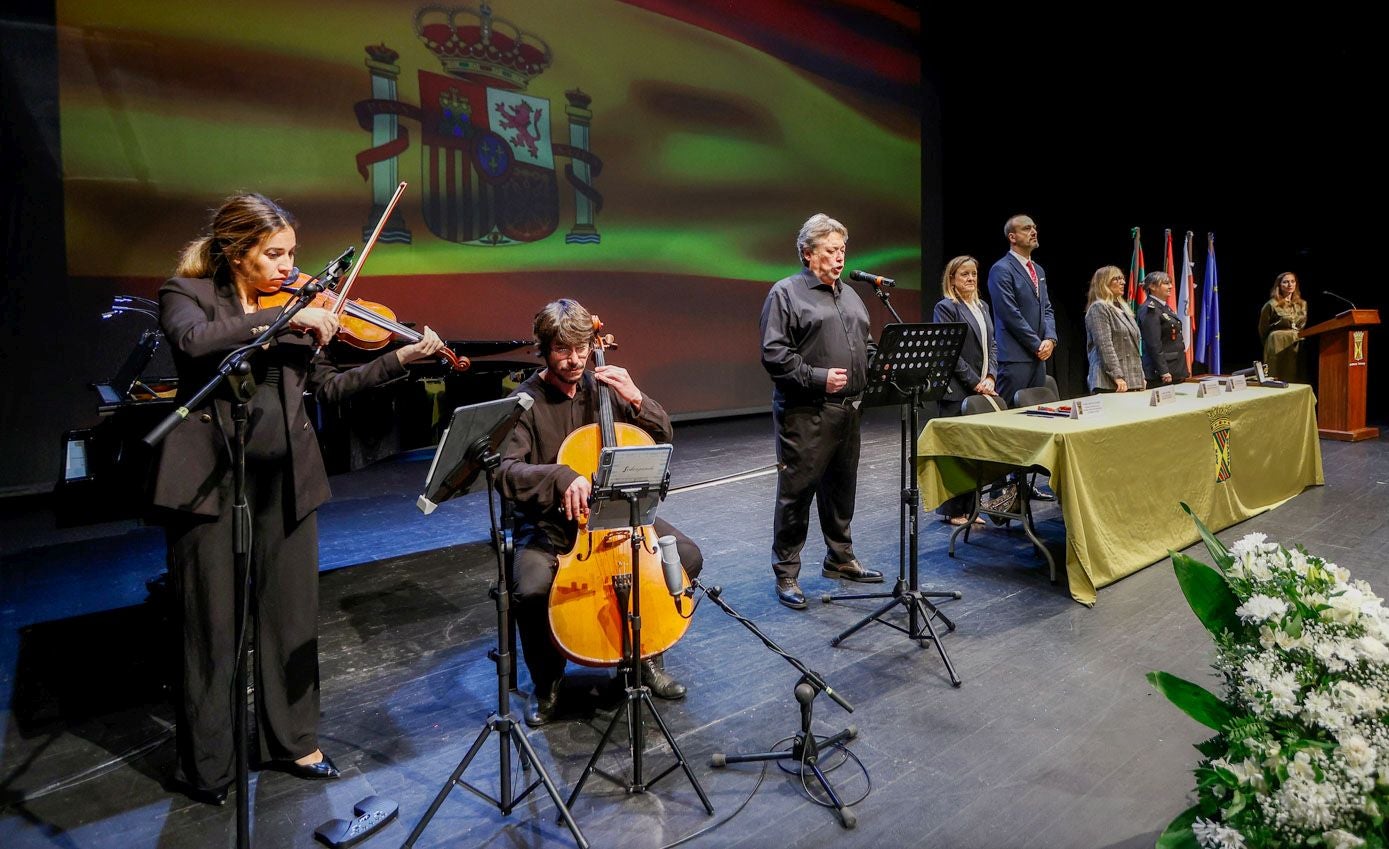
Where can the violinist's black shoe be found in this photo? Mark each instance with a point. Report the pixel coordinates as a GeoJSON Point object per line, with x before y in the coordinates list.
{"type": "Point", "coordinates": [543, 704]}
{"type": "Point", "coordinates": [208, 796]}
{"type": "Point", "coordinates": [321, 770]}
{"type": "Point", "coordinates": [654, 676]}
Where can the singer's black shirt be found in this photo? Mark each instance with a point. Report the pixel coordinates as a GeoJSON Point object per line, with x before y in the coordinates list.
{"type": "Point", "coordinates": [809, 328]}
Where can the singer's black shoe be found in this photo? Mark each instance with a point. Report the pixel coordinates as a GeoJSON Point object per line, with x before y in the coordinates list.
{"type": "Point", "coordinates": [543, 704]}
{"type": "Point", "coordinates": [851, 571]}
{"type": "Point", "coordinates": [1040, 493]}
{"type": "Point", "coordinates": [788, 592]}
{"type": "Point", "coordinates": [654, 676]}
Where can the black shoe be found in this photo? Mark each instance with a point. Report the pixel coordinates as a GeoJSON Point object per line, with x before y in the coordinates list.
{"type": "Point", "coordinates": [851, 571]}
{"type": "Point", "coordinates": [1040, 494]}
{"type": "Point", "coordinates": [323, 770]}
{"type": "Point", "coordinates": [215, 796]}
{"type": "Point", "coordinates": [788, 592]}
{"type": "Point", "coordinates": [543, 704]}
{"type": "Point", "coordinates": [655, 677]}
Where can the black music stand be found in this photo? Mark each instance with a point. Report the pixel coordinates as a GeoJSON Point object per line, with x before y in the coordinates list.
{"type": "Point", "coordinates": [469, 446]}
{"type": "Point", "coordinates": [913, 365]}
{"type": "Point", "coordinates": [637, 478]}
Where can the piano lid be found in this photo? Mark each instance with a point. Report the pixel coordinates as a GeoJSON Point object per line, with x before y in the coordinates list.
{"type": "Point", "coordinates": [486, 347]}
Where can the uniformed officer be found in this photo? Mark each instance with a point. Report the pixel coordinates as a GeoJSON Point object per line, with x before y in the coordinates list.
{"type": "Point", "coordinates": [1164, 346]}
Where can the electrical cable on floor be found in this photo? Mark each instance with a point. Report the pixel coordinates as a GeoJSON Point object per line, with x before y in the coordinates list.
{"type": "Point", "coordinates": [708, 828]}
{"type": "Point", "coordinates": [96, 771]}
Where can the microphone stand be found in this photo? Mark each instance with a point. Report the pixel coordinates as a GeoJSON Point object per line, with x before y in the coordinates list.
{"type": "Point", "coordinates": [807, 747]}
{"type": "Point", "coordinates": [235, 369]}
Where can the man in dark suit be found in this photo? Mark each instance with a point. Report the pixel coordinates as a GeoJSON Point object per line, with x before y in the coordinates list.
{"type": "Point", "coordinates": [1023, 322]}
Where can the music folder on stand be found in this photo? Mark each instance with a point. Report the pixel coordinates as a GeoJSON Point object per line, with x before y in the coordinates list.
{"type": "Point", "coordinates": [469, 446]}
{"type": "Point", "coordinates": [913, 365]}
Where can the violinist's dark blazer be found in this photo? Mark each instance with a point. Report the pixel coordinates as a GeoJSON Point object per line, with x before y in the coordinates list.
{"type": "Point", "coordinates": [203, 323]}
{"type": "Point", "coordinates": [969, 368]}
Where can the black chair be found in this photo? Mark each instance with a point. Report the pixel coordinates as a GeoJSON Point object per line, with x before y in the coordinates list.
{"type": "Point", "coordinates": [1003, 509]}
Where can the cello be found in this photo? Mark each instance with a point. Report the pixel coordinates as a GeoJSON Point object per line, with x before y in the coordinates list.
{"type": "Point", "coordinates": [587, 617]}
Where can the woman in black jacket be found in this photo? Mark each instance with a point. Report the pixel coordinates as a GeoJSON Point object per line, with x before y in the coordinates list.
{"type": "Point", "coordinates": [207, 310]}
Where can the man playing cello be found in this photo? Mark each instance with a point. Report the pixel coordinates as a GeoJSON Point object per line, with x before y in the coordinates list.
{"type": "Point", "coordinates": [550, 496]}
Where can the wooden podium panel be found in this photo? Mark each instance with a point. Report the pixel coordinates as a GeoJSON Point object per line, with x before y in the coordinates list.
{"type": "Point", "coordinates": [1342, 368]}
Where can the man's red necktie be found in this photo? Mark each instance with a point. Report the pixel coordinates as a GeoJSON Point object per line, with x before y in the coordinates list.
{"type": "Point", "coordinates": [1032, 272]}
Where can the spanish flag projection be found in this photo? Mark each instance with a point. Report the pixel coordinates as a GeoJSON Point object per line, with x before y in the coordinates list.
{"type": "Point", "coordinates": [653, 159]}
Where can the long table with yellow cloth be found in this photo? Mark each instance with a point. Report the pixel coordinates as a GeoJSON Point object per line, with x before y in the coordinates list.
{"type": "Point", "coordinates": [1121, 474]}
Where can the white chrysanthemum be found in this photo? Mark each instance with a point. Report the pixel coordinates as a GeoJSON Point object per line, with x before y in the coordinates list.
{"type": "Point", "coordinates": [1283, 693]}
{"type": "Point", "coordinates": [1357, 752]}
{"type": "Point", "coordinates": [1261, 608]}
{"type": "Point", "coordinates": [1358, 701]}
{"type": "Point", "coordinates": [1249, 543]}
{"type": "Point", "coordinates": [1309, 804]}
{"type": "Point", "coordinates": [1213, 835]}
{"type": "Point", "coordinates": [1338, 838]}
{"type": "Point", "coordinates": [1371, 649]}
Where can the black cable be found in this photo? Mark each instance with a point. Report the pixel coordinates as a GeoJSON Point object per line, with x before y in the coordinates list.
{"type": "Point", "coordinates": [708, 828]}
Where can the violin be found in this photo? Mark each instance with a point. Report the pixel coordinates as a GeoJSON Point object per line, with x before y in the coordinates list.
{"type": "Point", "coordinates": [590, 599]}
{"type": "Point", "coordinates": [362, 324]}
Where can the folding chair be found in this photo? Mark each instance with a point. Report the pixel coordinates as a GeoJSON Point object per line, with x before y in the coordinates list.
{"type": "Point", "coordinates": [1004, 508]}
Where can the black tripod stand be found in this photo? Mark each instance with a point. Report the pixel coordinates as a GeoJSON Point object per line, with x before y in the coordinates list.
{"type": "Point", "coordinates": [641, 499]}
{"type": "Point", "coordinates": [477, 432]}
{"type": "Point", "coordinates": [806, 749]}
{"type": "Point", "coordinates": [913, 365]}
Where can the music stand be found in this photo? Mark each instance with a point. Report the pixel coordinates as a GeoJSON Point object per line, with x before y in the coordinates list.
{"type": "Point", "coordinates": [637, 478]}
{"type": "Point", "coordinates": [913, 365]}
{"type": "Point", "coordinates": [469, 446]}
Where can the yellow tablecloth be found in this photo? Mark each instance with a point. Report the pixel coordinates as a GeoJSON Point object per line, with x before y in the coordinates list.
{"type": "Point", "coordinates": [1121, 474]}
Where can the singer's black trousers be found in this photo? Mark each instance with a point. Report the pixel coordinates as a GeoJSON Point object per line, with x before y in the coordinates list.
{"type": "Point", "coordinates": [537, 559]}
{"type": "Point", "coordinates": [817, 449]}
{"type": "Point", "coordinates": [283, 622]}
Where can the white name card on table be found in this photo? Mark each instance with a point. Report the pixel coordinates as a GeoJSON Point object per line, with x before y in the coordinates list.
{"type": "Point", "coordinates": [1210, 386]}
{"type": "Point", "coordinates": [1092, 406]}
{"type": "Point", "coordinates": [1236, 383]}
{"type": "Point", "coordinates": [1162, 395]}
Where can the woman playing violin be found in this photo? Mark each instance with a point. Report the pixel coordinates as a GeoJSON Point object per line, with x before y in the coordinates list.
{"type": "Point", "coordinates": [209, 309]}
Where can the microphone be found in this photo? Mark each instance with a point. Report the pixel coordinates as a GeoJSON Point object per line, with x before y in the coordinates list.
{"type": "Point", "coordinates": [876, 280]}
{"type": "Point", "coordinates": [1340, 298]}
{"type": "Point", "coordinates": [670, 565]}
{"type": "Point", "coordinates": [337, 267]}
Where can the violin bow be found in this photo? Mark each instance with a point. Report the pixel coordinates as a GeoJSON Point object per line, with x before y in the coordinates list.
{"type": "Point", "coordinates": [366, 250]}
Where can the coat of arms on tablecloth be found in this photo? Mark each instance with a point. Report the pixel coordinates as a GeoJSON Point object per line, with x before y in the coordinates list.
{"type": "Point", "coordinates": [1219, 417]}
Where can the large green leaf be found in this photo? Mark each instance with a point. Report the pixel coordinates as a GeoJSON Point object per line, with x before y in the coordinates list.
{"type": "Point", "coordinates": [1211, 599]}
{"type": "Point", "coordinates": [1178, 834]}
{"type": "Point", "coordinates": [1194, 700]}
{"type": "Point", "coordinates": [1219, 553]}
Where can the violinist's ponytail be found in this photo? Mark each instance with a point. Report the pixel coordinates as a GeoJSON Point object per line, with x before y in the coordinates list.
{"type": "Point", "coordinates": [238, 225]}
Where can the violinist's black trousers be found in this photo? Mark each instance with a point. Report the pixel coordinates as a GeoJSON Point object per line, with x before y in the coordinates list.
{"type": "Point", "coordinates": [284, 623]}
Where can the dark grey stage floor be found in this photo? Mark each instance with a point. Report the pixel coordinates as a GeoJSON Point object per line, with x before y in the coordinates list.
{"type": "Point", "coordinates": [1054, 740]}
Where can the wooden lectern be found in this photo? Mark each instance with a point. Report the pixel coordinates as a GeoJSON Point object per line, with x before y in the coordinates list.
{"type": "Point", "coordinates": [1345, 347]}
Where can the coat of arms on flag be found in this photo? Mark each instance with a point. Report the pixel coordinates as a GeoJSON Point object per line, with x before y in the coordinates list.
{"type": "Point", "coordinates": [488, 161]}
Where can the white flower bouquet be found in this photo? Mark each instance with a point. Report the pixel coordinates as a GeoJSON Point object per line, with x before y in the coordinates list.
{"type": "Point", "coordinates": [1301, 753]}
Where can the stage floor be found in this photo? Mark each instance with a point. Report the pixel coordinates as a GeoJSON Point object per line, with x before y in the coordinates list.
{"type": "Point", "coordinates": [1054, 740]}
